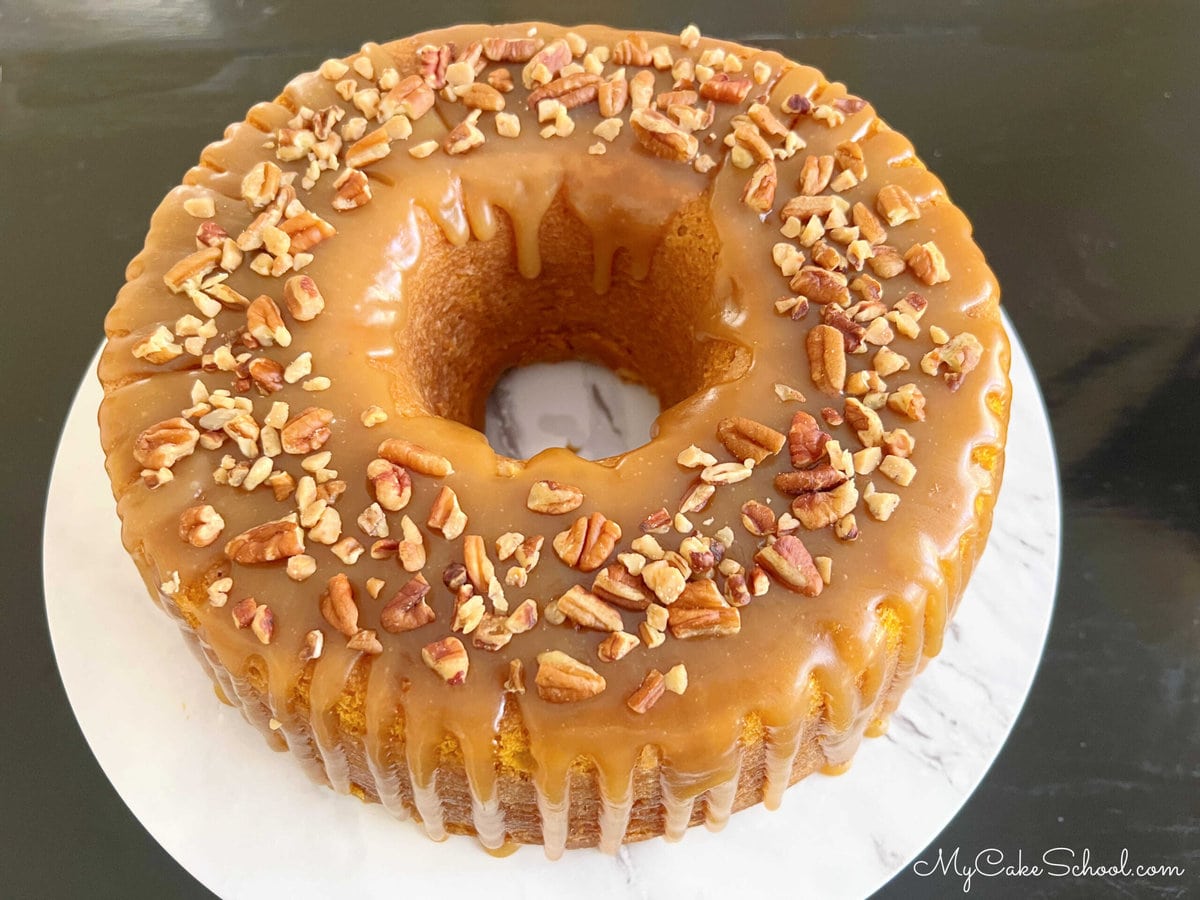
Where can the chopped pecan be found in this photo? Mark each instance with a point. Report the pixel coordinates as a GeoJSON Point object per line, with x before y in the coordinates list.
{"type": "Point", "coordinates": [479, 95]}
{"type": "Point", "coordinates": [896, 205]}
{"type": "Point", "coordinates": [887, 261]}
{"type": "Point", "coordinates": [827, 358]}
{"type": "Point", "coordinates": [587, 610]}
{"type": "Point", "coordinates": [954, 359]}
{"type": "Point", "coordinates": [804, 207]}
{"type": "Point", "coordinates": [802, 481]}
{"type": "Point", "coordinates": [868, 224]}
{"type": "Point", "coordinates": [266, 543]}
{"type": "Point", "coordinates": [759, 193]}
{"type": "Point", "coordinates": [789, 563]}
{"type": "Point", "coordinates": [852, 332]}
{"type": "Point", "coordinates": [510, 49]}
{"type": "Point", "coordinates": [314, 645]}
{"type": "Point", "coordinates": [352, 190]}
{"type": "Point", "coordinates": [243, 612]}
{"type": "Point", "coordinates": [267, 374]}
{"type": "Point", "coordinates": [662, 137]}
{"type": "Point", "coordinates": [448, 658]}
{"type": "Point", "coordinates": [818, 509]}
{"type": "Point", "coordinates": [306, 229]}
{"type": "Point", "coordinates": [465, 136]}
{"type": "Point", "coordinates": [263, 624]}
{"type": "Point", "coordinates": [563, 679]}
{"type": "Point", "coordinates": [200, 525]}
{"type": "Point", "coordinates": [446, 515]}
{"type": "Point", "coordinates": [648, 692]}
{"type": "Point", "coordinates": [612, 96]}
{"type": "Point", "coordinates": [365, 641]}
{"type": "Point", "coordinates": [515, 682]}
{"type": "Point", "coordinates": [408, 610]}
{"type": "Point", "coordinates": [908, 401]}
{"type": "Point", "coordinates": [806, 440]}
{"type": "Point", "coordinates": [657, 522]}
{"type": "Point", "coordinates": [588, 542]}
{"type": "Point", "coordinates": [544, 65]}
{"type": "Point", "coordinates": [616, 646]}
{"type": "Point", "coordinates": [758, 518]}
{"type": "Point", "coordinates": [338, 606]}
{"type": "Point", "coordinates": [553, 498]}
{"type": "Point", "coordinates": [724, 88]}
{"type": "Point", "coordinates": [307, 431]}
{"type": "Point", "coordinates": [632, 51]}
{"type": "Point", "coordinates": [523, 618]}
{"type": "Point", "coordinates": [865, 421]}
{"type": "Point", "coordinates": [261, 184]}
{"type": "Point", "coordinates": [480, 570]}
{"type": "Point", "coordinates": [695, 499]}
{"type": "Point", "coordinates": [927, 262]}
{"type": "Point", "coordinates": [165, 443]}
{"type": "Point", "coordinates": [530, 551]}
{"type": "Point", "coordinates": [821, 285]}
{"type": "Point", "coordinates": [391, 484]}
{"type": "Point", "coordinates": [491, 634]}
{"type": "Point", "coordinates": [747, 439]}
{"type": "Point", "coordinates": [415, 457]}
{"type": "Point", "coordinates": [701, 611]}
{"type": "Point", "coordinates": [736, 591]}
{"type": "Point", "coordinates": [571, 91]}
{"type": "Point", "coordinates": [815, 174]}
{"type": "Point", "coordinates": [615, 584]}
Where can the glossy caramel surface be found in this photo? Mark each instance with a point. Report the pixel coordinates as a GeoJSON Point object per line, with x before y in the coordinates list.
{"type": "Point", "coordinates": [489, 250]}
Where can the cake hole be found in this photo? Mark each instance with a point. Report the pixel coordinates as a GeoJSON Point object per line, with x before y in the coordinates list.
{"type": "Point", "coordinates": [468, 317]}
{"type": "Point", "coordinates": [582, 406]}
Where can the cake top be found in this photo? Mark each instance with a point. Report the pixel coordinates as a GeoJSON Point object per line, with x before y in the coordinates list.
{"type": "Point", "coordinates": [304, 343]}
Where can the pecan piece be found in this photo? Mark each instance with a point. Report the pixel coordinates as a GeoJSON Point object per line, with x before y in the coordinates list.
{"type": "Point", "coordinates": [390, 484]}
{"type": "Point", "coordinates": [701, 611]}
{"type": "Point", "coordinates": [571, 91]}
{"type": "Point", "coordinates": [616, 646]}
{"type": "Point", "coordinates": [747, 439]}
{"type": "Point", "coordinates": [612, 96]}
{"type": "Point", "coordinates": [826, 358]}
{"type": "Point", "coordinates": [544, 65]}
{"type": "Point", "coordinates": [724, 88]}
{"type": "Point", "coordinates": [553, 498]}
{"type": "Point", "coordinates": [338, 606]}
{"type": "Point", "coordinates": [819, 478]}
{"type": "Point", "coordinates": [510, 49]}
{"type": "Point", "coordinates": [806, 440]}
{"type": "Point", "coordinates": [615, 584]}
{"type": "Point", "coordinates": [818, 509]}
{"type": "Point", "coordinates": [821, 285]}
{"type": "Point", "coordinates": [200, 525]}
{"type": "Point", "coordinates": [415, 457]}
{"type": "Point", "coordinates": [165, 443]}
{"type": "Point", "coordinates": [759, 193]}
{"type": "Point", "coordinates": [632, 51]}
{"type": "Point", "coordinates": [478, 95]}
{"type": "Point", "coordinates": [268, 542]}
{"type": "Point", "coordinates": [927, 262]}
{"type": "Point", "coordinates": [408, 610]}
{"type": "Point", "coordinates": [261, 184]}
{"type": "Point", "coordinates": [448, 658]}
{"type": "Point", "coordinates": [758, 518]}
{"type": "Point", "coordinates": [192, 269]}
{"type": "Point", "coordinates": [446, 515]}
{"type": "Point", "coordinates": [352, 190]}
{"type": "Point", "coordinates": [523, 618]}
{"type": "Point", "coordinates": [662, 137]}
{"type": "Point", "coordinates": [789, 563]}
{"type": "Point", "coordinates": [365, 641]}
{"type": "Point", "coordinates": [563, 679]}
{"type": "Point", "coordinates": [491, 634]}
{"type": "Point", "coordinates": [267, 375]}
{"type": "Point", "coordinates": [896, 205]}
{"type": "Point", "coordinates": [648, 692]}
{"type": "Point", "coordinates": [588, 542]}
{"type": "Point", "coordinates": [307, 431]}
{"type": "Point", "coordinates": [587, 610]}
{"type": "Point", "coordinates": [954, 359]}
{"type": "Point", "coordinates": [480, 570]}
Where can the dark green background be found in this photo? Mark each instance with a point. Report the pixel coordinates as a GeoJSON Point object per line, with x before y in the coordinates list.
{"type": "Point", "coordinates": [1068, 131]}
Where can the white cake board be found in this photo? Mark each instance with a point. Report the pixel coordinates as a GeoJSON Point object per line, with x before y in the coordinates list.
{"type": "Point", "coordinates": [247, 822]}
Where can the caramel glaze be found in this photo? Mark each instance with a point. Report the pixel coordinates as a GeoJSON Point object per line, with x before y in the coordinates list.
{"type": "Point", "coordinates": [464, 266]}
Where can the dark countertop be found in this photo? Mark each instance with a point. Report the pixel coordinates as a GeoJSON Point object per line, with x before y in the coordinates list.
{"type": "Point", "coordinates": [1066, 130]}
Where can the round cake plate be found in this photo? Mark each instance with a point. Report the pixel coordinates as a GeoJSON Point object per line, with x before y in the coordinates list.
{"type": "Point", "coordinates": [247, 822]}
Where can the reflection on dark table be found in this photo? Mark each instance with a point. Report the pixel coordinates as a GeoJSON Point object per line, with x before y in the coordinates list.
{"type": "Point", "coordinates": [1066, 130]}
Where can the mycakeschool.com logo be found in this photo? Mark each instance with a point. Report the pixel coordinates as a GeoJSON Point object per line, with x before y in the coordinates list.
{"type": "Point", "coordinates": [1057, 862]}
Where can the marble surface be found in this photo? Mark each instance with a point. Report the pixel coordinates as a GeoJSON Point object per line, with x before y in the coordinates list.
{"type": "Point", "coordinates": [194, 774]}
